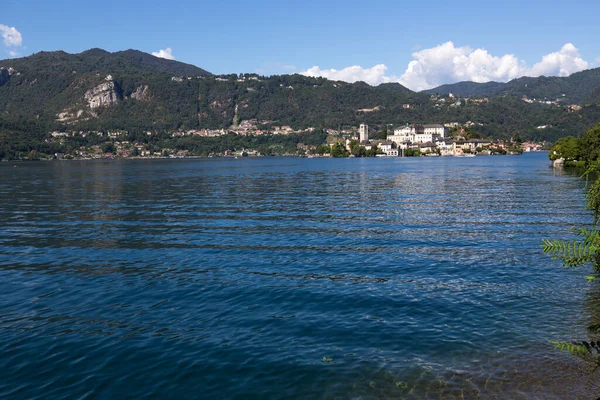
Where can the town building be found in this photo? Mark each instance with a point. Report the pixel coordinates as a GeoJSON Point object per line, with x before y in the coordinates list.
{"type": "Point", "coordinates": [387, 147]}
{"type": "Point", "coordinates": [363, 133]}
{"type": "Point", "coordinates": [436, 129]}
{"type": "Point", "coordinates": [418, 134]}
{"type": "Point", "coordinates": [427, 148]}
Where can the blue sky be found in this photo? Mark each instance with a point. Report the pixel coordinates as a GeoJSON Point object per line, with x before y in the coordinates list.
{"type": "Point", "coordinates": [272, 37]}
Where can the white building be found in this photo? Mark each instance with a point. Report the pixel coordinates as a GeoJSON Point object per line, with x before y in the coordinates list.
{"type": "Point", "coordinates": [388, 148]}
{"type": "Point", "coordinates": [417, 134]}
{"type": "Point", "coordinates": [404, 134]}
{"type": "Point", "coordinates": [436, 129]}
{"type": "Point", "coordinates": [446, 146]}
{"type": "Point", "coordinates": [407, 130]}
{"type": "Point", "coordinates": [363, 133]}
{"type": "Point", "coordinates": [425, 137]}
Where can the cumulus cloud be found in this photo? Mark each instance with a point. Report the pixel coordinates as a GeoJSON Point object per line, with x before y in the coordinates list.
{"type": "Point", "coordinates": [373, 76]}
{"type": "Point", "coordinates": [11, 36]}
{"type": "Point", "coordinates": [164, 53]}
{"type": "Point", "coordinates": [561, 63]}
{"type": "Point", "coordinates": [447, 63]}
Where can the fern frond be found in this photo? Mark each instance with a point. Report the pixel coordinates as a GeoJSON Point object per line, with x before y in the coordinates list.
{"type": "Point", "coordinates": [589, 235]}
{"type": "Point", "coordinates": [576, 349]}
{"type": "Point", "coordinates": [572, 253]}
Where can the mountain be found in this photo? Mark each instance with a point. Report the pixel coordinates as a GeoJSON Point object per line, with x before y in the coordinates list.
{"type": "Point", "coordinates": [594, 97]}
{"type": "Point", "coordinates": [395, 88]}
{"type": "Point", "coordinates": [133, 90]}
{"type": "Point", "coordinates": [575, 88]}
{"type": "Point", "coordinates": [60, 88]}
{"type": "Point", "coordinates": [147, 61]}
{"type": "Point", "coordinates": [468, 89]}
{"type": "Point", "coordinates": [136, 92]}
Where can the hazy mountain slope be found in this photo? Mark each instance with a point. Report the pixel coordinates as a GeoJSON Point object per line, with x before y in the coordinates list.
{"type": "Point", "coordinates": [575, 88]}
{"type": "Point", "coordinates": [468, 89]}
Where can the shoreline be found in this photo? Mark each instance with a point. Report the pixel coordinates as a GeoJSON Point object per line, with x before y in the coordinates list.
{"type": "Point", "coordinates": [261, 156]}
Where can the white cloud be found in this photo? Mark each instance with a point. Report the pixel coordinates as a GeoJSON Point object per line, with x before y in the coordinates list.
{"type": "Point", "coordinates": [373, 76]}
{"type": "Point", "coordinates": [447, 63]}
{"type": "Point", "coordinates": [164, 53]}
{"type": "Point", "coordinates": [11, 36]}
{"type": "Point", "coordinates": [561, 63]}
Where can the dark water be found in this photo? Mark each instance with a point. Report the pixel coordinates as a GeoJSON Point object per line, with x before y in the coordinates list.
{"type": "Point", "coordinates": [289, 278]}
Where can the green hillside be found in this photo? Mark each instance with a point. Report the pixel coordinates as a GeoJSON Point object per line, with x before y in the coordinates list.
{"type": "Point", "coordinates": [575, 88]}
{"type": "Point", "coordinates": [468, 89]}
{"type": "Point", "coordinates": [137, 92]}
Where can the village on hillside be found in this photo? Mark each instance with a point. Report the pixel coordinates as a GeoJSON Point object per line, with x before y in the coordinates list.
{"type": "Point", "coordinates": [449, 139]}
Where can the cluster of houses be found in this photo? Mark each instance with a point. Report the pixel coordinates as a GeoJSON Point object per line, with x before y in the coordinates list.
{"type": "Point", "coordinates": [425, 139]}
{"type": "Point", "coordinates": [109, 134]}
{"type": "Point", "coordinates": [244, 128]}
{"type": "Point", "coordinates": [429, 139]}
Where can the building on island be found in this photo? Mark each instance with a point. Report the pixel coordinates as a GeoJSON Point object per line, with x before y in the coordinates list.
{"type": "Point", "coordinates": [386, 147]}
{"type": "Point", "coordinates": [363, 133]}
{"type": "Point", "coordinates": [436, 129]}
{"type": "Point", "coordinates": [418, 134]}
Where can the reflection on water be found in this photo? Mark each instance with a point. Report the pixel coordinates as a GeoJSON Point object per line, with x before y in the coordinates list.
{"type": "Point", "coordinates": [269, 278]}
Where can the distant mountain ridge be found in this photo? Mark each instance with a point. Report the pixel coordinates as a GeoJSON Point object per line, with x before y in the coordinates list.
{"type": "Point", "coordinates": [467, 89]}
{"type": "Point", "coordinates": [576, 88]}
{"type": "Point", "coordinates": [137, 92]}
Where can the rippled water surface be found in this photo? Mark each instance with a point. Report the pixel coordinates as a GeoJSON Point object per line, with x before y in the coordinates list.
{"type": "Point", "coordinates": [288, 278]}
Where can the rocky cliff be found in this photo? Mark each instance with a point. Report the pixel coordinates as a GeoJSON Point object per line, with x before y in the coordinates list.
{"type": "Point", "coordinates": [142, 93]}
{"type": "Point", "coordinates": [103, 95]}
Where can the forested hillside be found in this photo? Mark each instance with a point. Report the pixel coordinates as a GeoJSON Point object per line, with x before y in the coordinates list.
{"type": "Point", "coordinates": [576, 88]}
{"type": "Point", "coordinates": [135, 92]}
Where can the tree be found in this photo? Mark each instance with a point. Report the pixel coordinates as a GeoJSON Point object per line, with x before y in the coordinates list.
{"type": "Point", "coordinates": [323, 149]}
{"type": "Point", "coordinates": [338, 150]}
{"type": "Point", "coordinates": [33, 155]}
{"type": "Point", "coordinates": [590, 145]}
{"type": "Point", "coordinates": [585, 251]}
{"type": "Point", "coordinates": [471, 134]}
{"type": "Point", "coordinates": [381, 135]}
{"type": "Point", "coordinates": [373, 151]}
{"type": "Point", "coordinates": [517, 138]}
{"type": "Point", "coordinates": [357, 150]}
{"type": "Point", "coordinates": [108, 147]}
{"type": "Point", "coordinates": [567, 148]}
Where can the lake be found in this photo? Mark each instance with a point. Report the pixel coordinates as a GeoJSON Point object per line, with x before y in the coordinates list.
{"type": "Point", "coordinates": [290, 278]}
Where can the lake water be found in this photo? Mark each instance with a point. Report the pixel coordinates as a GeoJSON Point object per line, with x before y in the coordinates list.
{"type": "Point", "coordinates": [289, 278]}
